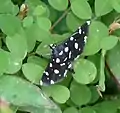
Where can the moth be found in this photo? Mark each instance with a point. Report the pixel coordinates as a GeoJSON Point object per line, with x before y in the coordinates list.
{"type": "Point", "coordinates": [64, 54]}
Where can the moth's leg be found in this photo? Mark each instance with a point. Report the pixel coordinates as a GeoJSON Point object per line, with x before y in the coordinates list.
{"type": "Point", "coordinates": [71, 68]}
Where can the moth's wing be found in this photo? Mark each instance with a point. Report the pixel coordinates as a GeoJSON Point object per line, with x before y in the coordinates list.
{"type": "Point", "coordinates": [54, 72]}
{"type": "Point", "coordinates": [71, 48]}
{"type": "Point", "coordinates": [77, 40]}
{"type": "Point", "coordinates": [58, 66]}
{"type": "Point", "coordinates": [74, 44]}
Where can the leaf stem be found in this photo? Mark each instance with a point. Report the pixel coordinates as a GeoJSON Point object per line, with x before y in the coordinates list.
{"type": "Point", "coordinates": [59, 19]}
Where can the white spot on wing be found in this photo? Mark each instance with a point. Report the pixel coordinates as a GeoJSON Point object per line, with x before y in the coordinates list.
{"type": "Point", "coordinates": [50, 64]}
{"type": "Point", "coordinates": [70, 54]}
{"type": "Point", "coordinates": [76, 45]}
{"type": "Point", "coordinates": [66, 49]}
{"type": "Point", "coordinates": [57, 60]}
{"type": "Point", "coordinates": [56, 71]}
{"type": "Point", "coordinates": [85, 39]}
{"type": "Point", "coordinates": [74, 33]}
{"type": "Point", "coordinates": [41, 83]}
{"type": "Point", "coordinates": [47, 73]}
{"type": "Point", "coordinates": [62, 64]}
{"type": "Point", "coordinates": [88, 22]}
{"type": "Point", "coordinates": [65, 59]}
{"type": "Point", "coordinates": [77, 57]}
{"type": "Point", "coordinates": [65, 43]}
{"type": "Point", "coordinates": [70, 65]}
{"type": "Point", "coordinates": [59, 75]}
{"type": "Point", "coordinates": [61, 52]}
{"type": "Point", "coordinates": [80, 31]}
{"type": "Point", "coordinates": [52, 82]}
{"type": "Point", "coordinates": [71, 38]}
{"type": "Point", "coordinates": [65, 73]}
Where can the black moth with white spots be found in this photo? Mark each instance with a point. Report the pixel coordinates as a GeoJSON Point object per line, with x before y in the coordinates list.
{"type": "Point", "coordinates": [64, 54]}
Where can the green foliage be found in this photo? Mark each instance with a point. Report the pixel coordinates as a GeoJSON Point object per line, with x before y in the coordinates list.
{"type": "Point", "coordinates": [116, 5]}
{"type": "Point", "coordinates": [32, 72]}
{"type": "Point", "coordinates": [109, 42]}
{"type": "Point", "coordinates": [80, 94]}
{"type": "Point", "coordinates": [113, 59]}
{"type": "Point", "coordinates": [6, 24]}
{"type": "Point", "coordinates": [82, 75]}
{"type": "Point", "coordinates": [18, 93]}
{"type": "Point", "coordinates": [97, 32]}
{"type": "Point", "coordinates": [4, 61]}
{"type": "Point", "coordinates": [56, 91]}
{"type": "Point", "coordinates": [102, 7]}
{"type": "Point", "coordinates": [81, 9]}
{"type": "Point", "coordinates": [59, 5]}
{"type": "Point", "coordinates": [71, 110]}
{"type": "Point", "coordinates": [26, 31]}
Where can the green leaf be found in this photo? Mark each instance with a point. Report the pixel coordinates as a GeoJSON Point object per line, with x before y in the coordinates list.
{"type": "Point", "coordinates": [37, 60]}
{"type": "Point", "coordinates": [102, 7]}
{"type": "Point", "coordinates": [73, 22]}
{"type": "Point", "coordinates": [59, 93]}
{"type": "Point", "coordinates": [14, 64]}
{"type": "Point", "coordinates": [80, 94]}
{"type": "Point", "coordinates": [44, 49]}
{"type": "Point", "coordinates": [44, 23]}
{"type": "Point", "coordinates": [116, 5]}
{"type": "Point", "coordinates": [43, 35]}
{"type": "Point", "coordinates": [109, 42]}
{"type": "Point", "coordinates": [94, 94]}
{"type": "Point", "coordinates": [30, 37]}
{"type": "Point", "coordinates": [87, 110]}
{"type": "Point", "coordinates": [101, 84]}
{"type": "Point", "coordinates": [7, 26]}
{"type": "Point", "coordinates": [37, 33]}
{"type": "Point", "coordinates": [70, 110]}
{"type": "Point", "coordinates": [107, 106]}
{"type": "Point", "coordinates": [57, 38]}
{"type": "Point", "coordinates": [39, 10]}
{"type": "Point", "coordinates": [53, 14]}
{"type": "Point", "coordinates": [96, 60]}
{"type": "Point", "coordinates": [81, 9]}
{"type": "Point", "coordinates": [85, 71]}
{"type": "Point", "coordinates": [59, 5]}
{"type": "Point", "coordinates": [21, 93]}
{"type": "Point", "coordinates": [7, 6]}
{"type": "Point", "coordinates": [4, 59]}
{"type": "Point", "coordinates": [17, 45]}
{"type": "Point", "coordinates": [28, 21]}
{"type": "Point", "coordinates": [97, 31]}
{"type": "Point", "coordinates": [113, 61]}
{"type": "Point", "coordinates": [32, 72]}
